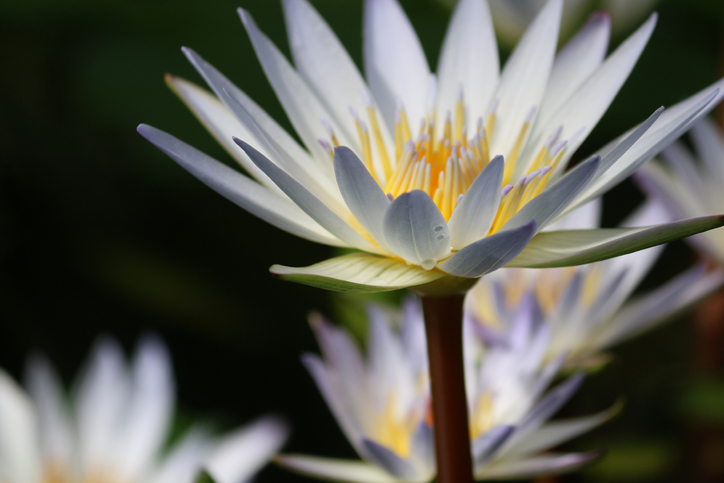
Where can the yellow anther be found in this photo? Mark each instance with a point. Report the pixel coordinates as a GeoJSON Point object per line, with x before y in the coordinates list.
{"type": "Point", "coordinates": [483, 416]}
{"type": "Point", "coordinates": [459, 118]}
{"type": "Point", "coordinates": [379, 142]}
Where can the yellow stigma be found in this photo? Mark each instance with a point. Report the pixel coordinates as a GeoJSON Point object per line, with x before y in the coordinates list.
{"type": "Point", "coordinates": [445, 160]}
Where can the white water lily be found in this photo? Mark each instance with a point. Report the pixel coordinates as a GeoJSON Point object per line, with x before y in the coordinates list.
{"type": "Point", "coordinates": [588, 308]}
{"type": "Point", "coordinates": [464, 194]}
{"type": "Point", "coordinates": [690, 184]}
{"type": "Point", "coordinates": [114, 427]}
{"type": "Point", "coordinates": [511, 17]}
{"type": "Point", "coordinates": [381, 402]}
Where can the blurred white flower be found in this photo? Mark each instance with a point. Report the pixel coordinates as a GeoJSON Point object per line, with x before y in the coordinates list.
{"type": "Point", "coordinates": [115, 425]}
{"type": "Point", "coordinates": [459, 196]}
{"type": "Point", "coordinates": [381, 402]}
{"type": "Point", "coordinates": [588, 307]}
{"type": "Point", "coordinates": [690, 184]}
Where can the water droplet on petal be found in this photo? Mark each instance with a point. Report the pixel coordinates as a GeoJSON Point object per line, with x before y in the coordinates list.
{"type": "Point", "coordinates": [428, 264]}
{"type": "Point", "coordinates": [437, 229]}
{"type": "Point", "coordinates": [440, 237]}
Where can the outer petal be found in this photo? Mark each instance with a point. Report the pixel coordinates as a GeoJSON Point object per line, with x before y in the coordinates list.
{"type": "Point", "coordinates": [317, 210]}
{"type": "Point", "coordinates": [360, 191]}
{"type": "Point", "coordinates": [19, 458]}
{"type": "Point", "coordinates": [525, 77]}
{"type": "Point", "coordinates": [578, 247]}
{"type": "Point", "coordinates": [336, 470]}
{"type": "Point", "coordinates": [323, 62]}
{"type": "Point", "coordinates": [550, 464]}
{"type": "Point", "coordinates": [488, 254]}
{"type": "Point", "coordinates": [474, 215]}
{"type": "Point", "coordinates": [359, 272]}
{"type": "Point", "coordinates": [469, 60]}
{"type": "Point", "coordinates": [394, 464]}
{"type": "Point", "coordinates": [486, 446]}
{"type": "Point", "coordinates": [242, 453]}
{"type": "Point", "coordinates": [239, 189]}
{"type": "Point", "coordinates": [183, 460]}
{"type": "Point", "coordinates": [395, 64]}
{"type": "Point", "coordinates": [415, 229]}
{"type": "Point", "coordinates": [300, 103]}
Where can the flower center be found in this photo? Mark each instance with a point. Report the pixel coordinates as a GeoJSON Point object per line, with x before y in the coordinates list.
{"type": "Point", "coordinates": [444, 165]}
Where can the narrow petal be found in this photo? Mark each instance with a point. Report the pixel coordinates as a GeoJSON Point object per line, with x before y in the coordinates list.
{"type": "Point", "coordinates": [183, 459]}
{"type": "Point", "coordinates": [488, 254]}
{"type": "Point", "coordinates": [475, 213]}
{"type": "Point", "coordinates": [335, 470]}
{"type": "Point", "coordinates": [358, 272]}
{"type": "Point", "coordinates": [525, 76]}
{"type": "Point", "coordinates": [239, 189]}
{"type": "Point", "coordinates": [415, 229]}
{"type": "Point", "coordinates": [299, 101]}
{"type": "Point", "coordinates": [586, 217]}
{"type": "Point", "coordinates": [394, 464]}
{"type": "Point", "coordinates": [576, 61]}
{"type": "Point", "coordinates": [395, 64]}
{"type": "Point", "coordinates": [552, 434]}
{"type": "Point", "coordinates": [709, 146]}
{"type": "Point", "coordinates": [469, 60]}
{"type": "Point", "coordinates": [545, 207]}
{"type": "Point", "coordinates": [360, 191]}
{"type": "Point", "coordinates": [311, 205]}
{"type": "Point", "coordinates": [328, 69]}
{"type": "Point", "coordinates": [550, 464]}
{"type": "Point", "coordinates": [148, 411]}
{"type": "Point", "coordinates": [486, 446]}
{"type": "Point", "coordinates": [578, 247]}
{"type": "Point", "coordinates": [245, 451]}
{"type": "Point", "coordinates": [19, 457]}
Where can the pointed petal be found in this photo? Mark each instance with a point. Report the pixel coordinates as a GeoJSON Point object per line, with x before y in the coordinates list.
{"type": "Point", "coordinates": [19, 458]}
{"type": "Point", "coordinates": [360, 191]}
{"type": "Point", "coordinates": [586, 217]}
{"type": "Point", "coordinates": [358, 272]}
{"type": "Point", "coordinates": [299, 101]}
{"type": "Point", "coordinates": [488, 254]}
{"type": "Point", "coordinates": [525, 76]}
{"type": "Point", "coordinates": [550, 464]}
{"type": "Point", "coordinates": [393, 463]}
{"type": "Point", "coordinates": [486, 446]}
{"type": "Point", "coordinates": [245, 451]}
{"type": "Point", "coordinates": [239, 189]}
{"type": "Point", "coordinates": [469, 59]}
{"type": "Point", "coordinates": [576, 61]}
{"type": "Point", "coordinates": [183, 459]}
{"type": "Point", "coordinates": [395, 64]}
{"type": "Point", "coordinates": [709, 146]}
{"type": "Point", "coordinates": [415, 229]}
{"type": "Point", "coordinates": [475, 213]}
{"type": "Point", "coordinates": [335, 470]}
{"type": "Point", "coordinates": [545, 207]}
{"type": "Point", "coordinates": [578, 247]}
{"type": "Point", "coordinates": [311, 205]}
{"type": "Point", "coordinates": [328, 69]}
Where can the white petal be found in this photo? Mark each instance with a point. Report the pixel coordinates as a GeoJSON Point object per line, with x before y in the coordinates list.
{"type": "Point", "coordinates": [549, 464]}
{"type": "Point", "coordinates": [489, 253]}
{"type": "Point", "coordinates": [525, 77]}
{"type": "Point", "coordinates": [242, 453]}
{"type": "Point", "coordinates": [19, 449]}
{"type": "Point", "coordinates": [586, 217]}
{"type": "Point", "coordinates": [587, 105]}
{"type": "Point", "coordinates": [312, 206]}
{"type": "Point", "coordinates": [395, 64]}
{"type": "Point", "coordinates": [327, 67]}
{"type": "Point", "coordinates": [709, 146]}
{"type": "Point", "coordinates": [360, 191]}
{"type": "Point", "coordinates": [239, 189]}
{"type": "Point", "coordinates": [416, 230]}
{"type": "Point", "coordinates": [183, 461]}
{"type": "Point", "coordinates": [46, 391]}
{"type": "Point", "coordinates": [147, 418]}
{"type": "Point", "coordinates": [575, 62]}
{"type": "Point", "coordinates": [469, 59]}
{"type": "Point", "coordinates": [475, 213]}
{"type": "Point", "coordinates": [300, 103]}
{"type": "Point", "coordinates": [336, 470]}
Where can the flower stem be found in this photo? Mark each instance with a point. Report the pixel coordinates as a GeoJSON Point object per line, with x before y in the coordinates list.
{"type": "Point", "coordinates": [444, 329]}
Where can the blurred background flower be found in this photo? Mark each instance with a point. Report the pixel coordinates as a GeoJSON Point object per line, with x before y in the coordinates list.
{"type": "Point", "coordinates": [116, 426]}
{"type": "Point", "coordinates": [99, 233]}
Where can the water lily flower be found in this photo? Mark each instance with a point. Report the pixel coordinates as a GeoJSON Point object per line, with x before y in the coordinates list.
{"type": "Point", "coordinates": [115, 426]}
{"type": "Point", "coordinates": [589, 307]}
{"type": "Point", "coordinates": [689, 184]}
{"type": "Point", "coordinates": [381, 402]}
{"type": "Point", "coordinates": [440, 178]}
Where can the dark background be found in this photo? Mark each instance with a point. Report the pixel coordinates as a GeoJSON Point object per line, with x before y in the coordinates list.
{"type": "Point", "coordinates": [101, 233]}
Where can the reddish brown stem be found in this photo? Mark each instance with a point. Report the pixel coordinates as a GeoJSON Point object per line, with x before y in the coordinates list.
{"type": "Point", "coordinates": [444, 329]}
